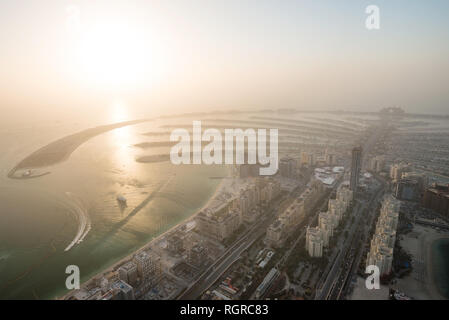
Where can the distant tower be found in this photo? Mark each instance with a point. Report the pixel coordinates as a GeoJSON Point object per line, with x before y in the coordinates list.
{"type": "Point", "coordinates": [356, 165]}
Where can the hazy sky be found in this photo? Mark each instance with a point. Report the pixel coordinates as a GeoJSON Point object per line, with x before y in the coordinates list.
{"type": "Point", "coordinates": [171, 56]}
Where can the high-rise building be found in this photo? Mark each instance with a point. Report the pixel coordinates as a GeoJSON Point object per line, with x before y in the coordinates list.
{"type": "Point", "coordinates": [344, 197]}
{"type": "Point", "coordinates": [287, 167]}
{"type": "Point", "coordinates": [421, 178]}
{"type": "Point", "coordinates": [219, 224]}
{"type": "Point", "coordinates": [330, 158]}
{"type": "Point", "coordinates": [326, 223]}
{"type": "Point", "coordinates": [307, 159]}
{"type": "Point", "coordinates": [398, 169]}
{"type": "Point", "coordinates": [407, 189]}
{"type": "Point", "coordinates": [314, 242]}
{"type": "Point", "coordinates": [128, 273]}
{"type": "Point", "coordinates": [311, 159]}
{"type": "Point", "coordinates": [304, 159]}
{"type": "Point", "coordinates": [436, 197]}
{"type": "Point", "coordinates": [148, 265]}
{"type": "Point", "coordinates": [356, 166]}
{"type": "Point", "coordinates": [377, 164]}
{"type": "Point", "coordinates": [285, 224]}
{"type": "Point", "coordinates": [382, 243]}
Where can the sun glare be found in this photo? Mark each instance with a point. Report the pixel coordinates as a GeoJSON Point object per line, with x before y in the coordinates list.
{"type": "Point", "coordinates": [112, 54]}
{"type": "Point", "coordinates": [117, 55]}
{"type": "Point", "coordinates": [119, 111]}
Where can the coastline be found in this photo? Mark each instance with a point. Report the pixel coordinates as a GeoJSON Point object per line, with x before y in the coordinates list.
{"type": "Point", "coordinates": [219, 189]}
{"type": "Point", "coordinates": [421, 283]}
{"type": "Point", "coordinates": [61, 149]}
{"type": "Point", "coordinates": [434, 288]}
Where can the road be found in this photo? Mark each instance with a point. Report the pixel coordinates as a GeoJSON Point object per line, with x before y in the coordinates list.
{"type": "Point", "coordinates": [372, 210]}
{"type": "Point", "coordinates": [333, 279]}
{"type": "Point", "coordinates": [323, 292]}
{"type": "Point", "coordinates": [213, 272]}
{"type": "Point", "coordinates": [354, 252]}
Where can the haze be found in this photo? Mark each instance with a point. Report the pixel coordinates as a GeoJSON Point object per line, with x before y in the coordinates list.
{"type": "Point", "coordinates": [75, 58]}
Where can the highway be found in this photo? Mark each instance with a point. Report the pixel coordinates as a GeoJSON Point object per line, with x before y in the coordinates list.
{"type": "Point", "coordinates": [355, 250]}
{"type": "Point", "coordinates": [337, 276]}
{"type": "Point", "coordinates": [216, 270]}
{"type": "Point", "coordinates": [324, 291]}
{"type": "Point", "coordinates": [372, 213]}
{"type": "Point", "coordinates": [213, 272]}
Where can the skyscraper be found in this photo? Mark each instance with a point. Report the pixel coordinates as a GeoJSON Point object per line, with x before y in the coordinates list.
{"type": "Point", "coordinates": [356, 166]}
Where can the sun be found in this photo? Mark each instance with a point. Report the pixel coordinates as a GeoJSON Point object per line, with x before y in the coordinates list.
{"type": "Point", "coordinates": [114, 54]}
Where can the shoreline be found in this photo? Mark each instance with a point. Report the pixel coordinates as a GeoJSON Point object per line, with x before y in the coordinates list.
{"type": "Point", "coordinates": [219, 189]}
{"type": "Point", "coordinates": [62, 148]}
{"type": "Point", "coordinates": [421, 283]}
{"type": "Point", "coordinates": [432, 281]}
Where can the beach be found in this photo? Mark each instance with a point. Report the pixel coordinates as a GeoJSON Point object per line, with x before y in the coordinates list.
{"type": "Point", "coordinates": [421, 283]}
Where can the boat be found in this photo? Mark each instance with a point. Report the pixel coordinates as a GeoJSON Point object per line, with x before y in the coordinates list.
{"type": "Point", "coordinates": [26, 173]}
{"type": "Point", "coordinates": [121, 199]}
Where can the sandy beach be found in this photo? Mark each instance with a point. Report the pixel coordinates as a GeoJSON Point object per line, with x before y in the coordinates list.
{"type": "Point", "coordinates": [420, 284]}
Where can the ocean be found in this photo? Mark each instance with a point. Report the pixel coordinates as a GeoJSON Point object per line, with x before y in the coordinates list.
{"type": "Point", "coordinates": [440, 265]}
{"type": "Point", "coordinates": [40, 218]}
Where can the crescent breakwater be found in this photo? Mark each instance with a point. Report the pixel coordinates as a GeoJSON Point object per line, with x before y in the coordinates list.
{"type": "Point", "coordinates": [61, 149]}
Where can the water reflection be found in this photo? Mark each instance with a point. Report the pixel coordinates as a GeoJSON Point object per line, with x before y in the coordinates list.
{"type": "Point", "coordinates": [121, 138]}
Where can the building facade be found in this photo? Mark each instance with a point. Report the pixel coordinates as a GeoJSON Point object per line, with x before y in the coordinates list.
{"type": "Point", "coordinates": [356, 167]}
{"type": "Point", "coordinates": [384, 238]}
{"type": "Point", "coordinates": [436, 197]}
{"type": "Point", "coordinates": [128, 273]}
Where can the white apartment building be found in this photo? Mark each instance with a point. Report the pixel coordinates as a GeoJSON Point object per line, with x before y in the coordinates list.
{"type": "Point", "coordinates": [285, 224]}
{"type": "Point", "coordinates": [319, 237]}
{"type": "Point", "coordinates": [219, 224]}
{"type": "Point", "coordinates": [314, 242]}
{"type": "Point", "coordinates": [326, 222]}
{"type": "Point", "coordinates": [384, 238]}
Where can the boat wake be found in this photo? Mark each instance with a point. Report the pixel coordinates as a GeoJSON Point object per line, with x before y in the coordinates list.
{"type": "Point", "coordinates": [84, 223]}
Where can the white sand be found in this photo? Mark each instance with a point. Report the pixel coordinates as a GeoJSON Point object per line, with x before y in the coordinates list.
{"type": "Point", "coordinates": [419, 284]}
